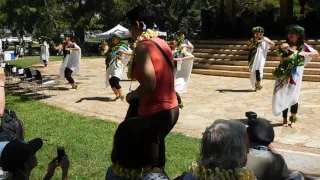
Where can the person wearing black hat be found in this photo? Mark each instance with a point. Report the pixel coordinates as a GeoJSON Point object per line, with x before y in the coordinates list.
{"type": "Point", "coordinates": [72, 60]}
{"type": "Point", "coordinates": [19, 159]}
{"type": "Point", "coordinates": [262, 158]}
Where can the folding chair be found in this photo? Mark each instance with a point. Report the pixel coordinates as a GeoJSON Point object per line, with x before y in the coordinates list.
{"type": "Point", "coordinates": [38, 79]}
{"type": "Point", "coordinates": [28, 79]}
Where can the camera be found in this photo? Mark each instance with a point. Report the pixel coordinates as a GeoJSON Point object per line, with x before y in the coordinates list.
{"type": "Point", "coordinates": [251, 115]}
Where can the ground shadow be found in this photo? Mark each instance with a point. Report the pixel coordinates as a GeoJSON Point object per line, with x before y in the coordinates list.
{"type": "Point", "coordinates": [60, 89]}
{"type": "Point", "coordinates": [276, 124]}
{"type": "Point", "coordinates": [235, 90]}
{"type": "Point", "coordinates": [104, 99]}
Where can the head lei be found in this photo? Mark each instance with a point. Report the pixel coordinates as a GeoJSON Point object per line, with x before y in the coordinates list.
{"type": "Point", "coordinates": [175, 37]}
{"type": "Point", "coordinates": [295, 29]}
{"type": "Point", "coordinates": [116, 35]}
{"type": "Point", "coordinates": [68, 34]}
{"type": "Point", "coordinates": [257, 29]}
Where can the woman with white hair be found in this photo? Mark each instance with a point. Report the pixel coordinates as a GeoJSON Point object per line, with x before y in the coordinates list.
{"type": "Point", "coordinates": [223, 153]}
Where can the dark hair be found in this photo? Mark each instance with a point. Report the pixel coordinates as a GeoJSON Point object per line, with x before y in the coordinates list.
{"type": "Point", "coordinates": [182, 32]}
{"type": "Point", "coordinates": [133, 147]}
{"type": "Point", "coordinates": [300, 40]}
{"type": "Point", "coordinates": [142, 13]}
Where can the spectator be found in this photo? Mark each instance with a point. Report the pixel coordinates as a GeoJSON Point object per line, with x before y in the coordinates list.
{"type": "Point", "coordinates": [262, 158]}
{"type": "Point", "coordinates": [2, 92]}
{"type": "Point", "coordinates": [152, 66]}
{"type": "Point", "coordinates": [134, 151]}
{"type": "Point", "coordinates": [19, 159]}
{"type": "Point", "coordinates": [223, 153]}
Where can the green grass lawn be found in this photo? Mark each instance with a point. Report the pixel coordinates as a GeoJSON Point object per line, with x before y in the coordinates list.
{"type": "Point", "coordinates": [30, 60]}
{"type": "Point", "coordinates": [87, 140]}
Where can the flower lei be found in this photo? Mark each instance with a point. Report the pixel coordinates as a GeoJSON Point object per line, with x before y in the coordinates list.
{"type": "Point", "coordinates": [179, 53]}
{"type": "Point", "coordinates": [295, 29]}
{"type": "Point", "coordinates": [113, 52]}
{"type": "Point", "coordinates": [133, 173]}
{"type": "Point", "coordinates": [257, 29]}
{"type": "Point", "coordinates": [144, 36]}
{"type": "Point", "coordinates": [252, 52]}
{"type": "Point", "coordinates": [293, 60]}
{"type": "Point", "coordinates": [201, 173]}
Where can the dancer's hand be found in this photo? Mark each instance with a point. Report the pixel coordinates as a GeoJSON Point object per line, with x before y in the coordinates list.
{"type": "Point", "coordinates": [284, 46]}
{"type": "Point", "coordinates": [302, 53]}
{"type": "Point", "coordinates": [120, 52]}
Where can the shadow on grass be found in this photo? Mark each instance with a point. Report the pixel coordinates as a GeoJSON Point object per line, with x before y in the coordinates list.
{"type": "Point", "coordinates": [103, 99]}
{"type": "Point", "coordinates": [237, 91]}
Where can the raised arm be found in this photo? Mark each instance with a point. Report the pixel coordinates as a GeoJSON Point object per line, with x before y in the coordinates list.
{"type": "Point", "coordinates": [145, 71]}
{"type": "Point", "coordinates": [250, 44]}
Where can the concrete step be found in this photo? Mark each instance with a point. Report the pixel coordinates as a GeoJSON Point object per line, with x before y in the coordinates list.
{"type": "Point", "coordinates": [307, 71]}
{"type": "Point", "coordinates": [238, 57]}
{"type": "Point", "coordinates": [245, 63]}
{"type": "Point", "coordinates": [228, 51]}
{"type": "Point", "coordinates": [233, 47]}
{"type": "Point", "coordinates": [245, 42]}
{"type": "Point", "coordinates": [314, 78]}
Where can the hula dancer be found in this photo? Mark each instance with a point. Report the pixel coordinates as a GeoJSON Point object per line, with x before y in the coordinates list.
{"type": "Point", "coordinates": [183, 64]}
{"type": "Point", "coordinates": [259, 46]}
{"type": "Point", "coordinates": [72, 60]}
{"type": "Point", "coordinates": [295, 56]}
{"type": "Point", "coordinates": [44, 50]}
{"type": "Point", "coordinates": [184, 42]}
{"type": "Point", "coordinates": [117, 59]}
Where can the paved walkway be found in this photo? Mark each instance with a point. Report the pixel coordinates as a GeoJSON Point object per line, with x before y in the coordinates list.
{"type": "Point", "coordinates": [208, 98]}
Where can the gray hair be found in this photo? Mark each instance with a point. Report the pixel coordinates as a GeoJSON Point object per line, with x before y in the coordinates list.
{"type": "Point", "coordinates": [225, 145]}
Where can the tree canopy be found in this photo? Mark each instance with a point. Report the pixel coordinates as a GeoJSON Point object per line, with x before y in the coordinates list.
{"type": "Point", "coordinates": [51, 17]}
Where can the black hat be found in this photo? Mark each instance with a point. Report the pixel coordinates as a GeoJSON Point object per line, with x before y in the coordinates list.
{"type": "Point", "coordinates": [260, 131]}
{"type": "Point", "coordinates": [17, 152]}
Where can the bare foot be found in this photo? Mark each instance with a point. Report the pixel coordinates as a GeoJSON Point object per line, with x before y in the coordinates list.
{"type": "Point", "coordinates": [285, 123]}
{"type": "Point", "coordinates": [115, 99]}
{"type": "Point", "coordinates": [293, 125]}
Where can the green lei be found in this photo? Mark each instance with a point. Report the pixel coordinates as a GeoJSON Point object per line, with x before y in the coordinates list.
{"type": "Point", "coordinates": [112, 52]}
{"type": "Point", "coordinates": [253, 52]}
{"type": "Point", "coordinates": [177, 53]}
{"type": "Point", "coordinates": [286, 66]}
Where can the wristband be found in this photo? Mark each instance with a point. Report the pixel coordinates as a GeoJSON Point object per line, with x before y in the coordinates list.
{"type": "Point", "coordinates": [2, 86]}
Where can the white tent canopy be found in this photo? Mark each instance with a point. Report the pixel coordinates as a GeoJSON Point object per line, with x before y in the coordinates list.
{"type": "Point", "coordinates": [124, 32]}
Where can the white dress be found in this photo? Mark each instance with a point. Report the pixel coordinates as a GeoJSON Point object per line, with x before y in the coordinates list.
{"type": "Point", "coordinates": [71, 61]}
{"type": "Point", "coordinates": [287, 90]}
{"type": "Point", "coordinates": [116, 66]}
{"type": "Point", "coordinates": [259, 61]}
{"type": "Point", "coordinates": [182, 74]}
{"type": "Point", "coordinates": [44, 52]}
